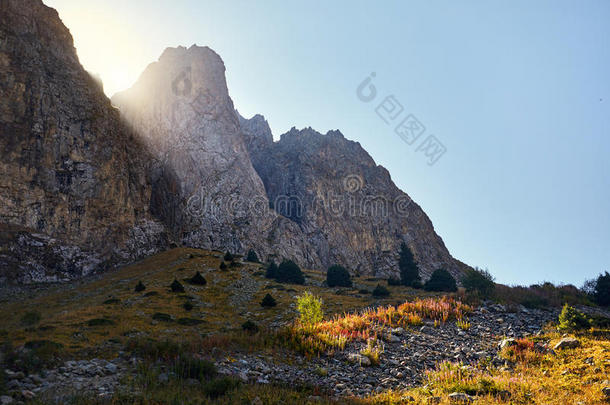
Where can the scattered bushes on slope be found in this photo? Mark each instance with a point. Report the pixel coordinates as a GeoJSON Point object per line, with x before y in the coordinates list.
{"type": "Point", "coordinates": [479, 282]}
{"type": "Point", "coordinates": [252, 256]}
{"type": "Point", "coordinates": [571, 319]}
{"type": "Point", "coordinates": [268, 301]}
{"type": "Point", "coordinates": [441, 280]}
{"type": "Point", "coordinates": [338, 276]}
{"type": "Point", "coordinates": [380, 291]}
{"type": "Point", "coordinates": [289, 272]}
{"type": "Point", "coordinates": [140, 287]}
{"type": "Point", "coordinates": [310, 308]}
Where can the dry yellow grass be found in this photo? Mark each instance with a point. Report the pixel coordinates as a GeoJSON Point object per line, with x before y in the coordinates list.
{"type": "Point", "coordinates": [65, 309]}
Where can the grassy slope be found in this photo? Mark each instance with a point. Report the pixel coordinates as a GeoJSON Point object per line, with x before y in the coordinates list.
{"type": "Point", "coordinates": [574, 376]}
{"type": "Point", "coordinates": [66, 309]}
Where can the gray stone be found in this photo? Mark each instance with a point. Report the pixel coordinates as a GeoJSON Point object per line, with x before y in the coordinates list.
{"type": "Point", "coordinates": [6, 400]}
{"type": "Point", "coordinates": [460, 397]}
{"type": "Point", "coordinates": [567, 343]}
{"type": "Point", "coordinates": [357, 358]}
{"type": "Point", "coordinates": [507, 343]}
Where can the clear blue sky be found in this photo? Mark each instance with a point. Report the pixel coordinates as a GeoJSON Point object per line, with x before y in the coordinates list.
{"type": "Point", "coordinates": [518, 92]}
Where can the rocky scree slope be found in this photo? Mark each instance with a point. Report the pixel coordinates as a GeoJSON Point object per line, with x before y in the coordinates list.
{"type": "Point", "coordinates": [74, 192]}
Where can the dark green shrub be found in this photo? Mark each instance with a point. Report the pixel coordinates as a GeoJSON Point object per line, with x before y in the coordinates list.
{"type": "Point", "coordinates": [37, 355]}
{"type": "Point", "coordinates": [571, 319]}
{"type": "Point", "coordinates": [187, 306]}
{"type": "Point", "coordinates": [31, 318]}
{"type": "Point", "coordinates": [3, 389]}
{"type": "Point", "coordinates": [176, 287]}
{"type": "Point", "coordinates": [111, 301]}
{"type": "Point", "coordinates": [364, 291]}
{"type": "Point", "coordinates": [478, 281]}
{"type": "Point", "coordinates": [393, 281]}
{"type": "Point", "coordinates": [160, 316]}
{"type": "Point", "coordinates": [249, 327]}
{"type": "Point", "coordinates": [409, 270]}
{"type": "Point", "coordinates": [154, 350]}
{"type": "Point", "coordinates": [271, 271]}
{"type": "Point", "coordinates": [601, 292]}
{"type": "Point", "coordinates": [190, 367]}
{"type": "Point", "coordinates": [223, 266]}
{"type": "Point", "coordinates": [140, 287]}
{"type": "Point", "coordinates": [100, 322]}
{"type": "Point", "coordinates": [338, 276]}
{"type": "Point", "coordinates": [235, 263]}
{"type": "Point", "coordinates": [252, 257]}
{"type": "Point", "coordinates": [219, 387]}
{"type": "Point", "coordinates": [198, 279]}
{"type": "Point", "coordinates": [417, 284]}
{"type": "Point", "coordinates": [151, 294]}
{"type": "Point", "coordinates": [290, 272]}
{"type": "Point", "coordinates": [380, 291]}
{"type": "Point", "coordinates": [228, 256]}
{"type": "Point", "coordinates": [441, 280]}
{"type": "Point", "coordinates": [190, 321]}
{"type": "Point", "coordinates": [268, 301]}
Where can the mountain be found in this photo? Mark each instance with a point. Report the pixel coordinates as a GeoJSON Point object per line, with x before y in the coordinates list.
{"type": "Point", "coordinates": [181, 107]}
{"type": "Point", "coordinates": [236, 189]}
{"type": "Point", "coordinates": [74, 187]}
{"type": "Point", "coordinates": [90, 184]}
{"type": "Point", "coordinates": [348, 207]}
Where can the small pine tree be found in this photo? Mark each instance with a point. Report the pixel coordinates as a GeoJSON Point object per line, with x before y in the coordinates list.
{"type": "Point", "coordinates": [140, 287]}
{"type": "Point", "coordinates": [571, 319]}
{"type": "Point", "coordinates": [228, 256]}
{"type": "Point", "coordinates": [289, 272]}
{"type": "Point", "coordinates": [393, 281]}
{"type": "Point", "coordinates": [310, 308]}
{"type": "Point", "coordinates": [409, 271]}
{"type": "Point", "coordinates": [338, 276]}
{"type": "Point", "coordinates": [176, 286]}
{"type": "Point", "coordinates": [271, 271]}
{"type": "Point", "coordinates": [249, 327]}
{"type": "Point", "coordinates": [479, 281]}
{"type": "Point", "coordinates": [252, 257]}
{"type": "Point", "coordinates": [380, 291]}
{"type": "Point", "coordinates": [223, 266]}
{"type": "Point", "coordinates": [441, 280]}
{"type": "Point", "coordinates": [198, 279]}
{"type": "Point", "coordinates": [601, 292]}
{"type": "Point", "coordinates": [268, 301]}
{"type": "Point", "coordinates": [187, 306]}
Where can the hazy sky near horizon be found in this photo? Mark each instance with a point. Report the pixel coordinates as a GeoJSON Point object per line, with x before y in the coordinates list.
{"type": "Point", "coordinates": [517, 92]}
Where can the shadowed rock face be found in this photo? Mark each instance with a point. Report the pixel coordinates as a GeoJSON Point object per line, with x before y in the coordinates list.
{"type": "Point", "coordinates": [348, 207]}
{"type": "Point", "coordinates": [73, 175]}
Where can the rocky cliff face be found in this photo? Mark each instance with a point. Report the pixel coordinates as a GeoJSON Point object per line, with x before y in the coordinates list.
{"type": "Point", "coordinates": [74, 192]}
{"type": "Point", "coordinates": [347, 206]}
{"type": "Point", "coordinates": [181, 105]}
{"type": "Point", "coordinates": [82, 191]}
{"type": "Point", "coordinates": [318, 199]}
